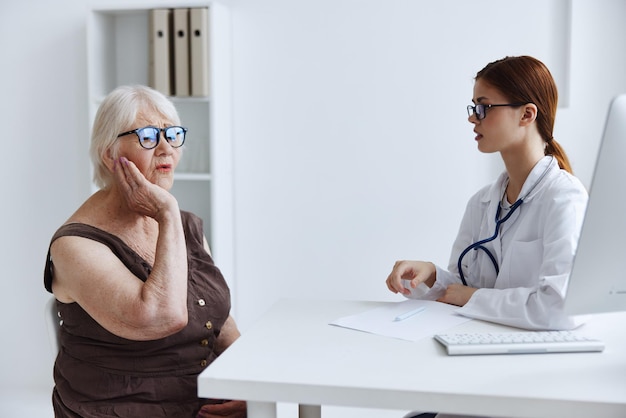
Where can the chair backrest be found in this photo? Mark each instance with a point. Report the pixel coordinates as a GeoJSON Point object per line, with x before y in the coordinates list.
{"type": "Point", "coordinates": [53, 323]}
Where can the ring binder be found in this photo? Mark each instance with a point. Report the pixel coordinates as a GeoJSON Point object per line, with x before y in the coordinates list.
{"type": "Point", "coordinates": [199, 51]}
{"type": "Point", "coordinates": [160, 71]}
{"type": "Point", "coordinates": [181, 52]}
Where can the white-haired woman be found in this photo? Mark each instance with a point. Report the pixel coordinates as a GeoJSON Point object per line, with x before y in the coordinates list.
{"type": "Point", "coordinates": [144, 309]}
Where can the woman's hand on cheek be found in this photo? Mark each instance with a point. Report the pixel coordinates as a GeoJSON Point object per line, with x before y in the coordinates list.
{"type": "Point", "coordinates": [141, 196]}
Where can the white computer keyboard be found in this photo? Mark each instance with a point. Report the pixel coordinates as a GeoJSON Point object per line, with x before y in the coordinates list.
{"type": "Point", "coordinates": [517, 343]}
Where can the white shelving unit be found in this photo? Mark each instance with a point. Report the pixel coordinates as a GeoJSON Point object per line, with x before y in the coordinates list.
{"type": "Point", "coordinates": [118, 54]}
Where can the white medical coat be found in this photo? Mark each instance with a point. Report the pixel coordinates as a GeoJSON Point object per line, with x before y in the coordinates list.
{"type": "Point", "coordinates": [534, 250]}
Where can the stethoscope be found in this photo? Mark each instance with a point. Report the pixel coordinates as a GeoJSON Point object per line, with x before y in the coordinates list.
{"type": "Point", "coordinates": [479, 245]}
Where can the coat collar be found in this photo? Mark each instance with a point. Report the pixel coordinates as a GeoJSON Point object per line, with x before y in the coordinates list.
{"type": "Point", "coordinates": [547, 165]}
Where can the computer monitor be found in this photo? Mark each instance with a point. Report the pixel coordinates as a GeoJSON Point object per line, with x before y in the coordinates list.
{"type": "Point", "coordinates": [598, 279]}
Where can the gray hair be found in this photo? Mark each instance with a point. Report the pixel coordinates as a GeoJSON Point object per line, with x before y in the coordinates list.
{"type": "Point", "coordinates": [117, 113]}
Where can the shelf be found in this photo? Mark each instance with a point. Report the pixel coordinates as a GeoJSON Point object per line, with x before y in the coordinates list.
{"type": "Point", "coordinates": [192, 176]}
{"type": "Point", "coordinates": [175, 99]}
{"type": "Point", "coordinates": [199, 100]}
{"type": "Point", "coordinates": [118, 48]}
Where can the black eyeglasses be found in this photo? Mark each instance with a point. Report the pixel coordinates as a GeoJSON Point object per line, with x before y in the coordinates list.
{"type": "Point", "coordinates": [480, 110]}
{"type": "Point", "coordinates": [149, 136]}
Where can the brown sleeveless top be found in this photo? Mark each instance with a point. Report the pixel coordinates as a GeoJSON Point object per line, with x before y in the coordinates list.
{"type": "Point", "coordinates": [98, 374]}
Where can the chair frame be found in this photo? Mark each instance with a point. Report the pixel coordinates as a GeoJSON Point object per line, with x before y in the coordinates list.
{"type": "Point", "coordinates": [53, 324]}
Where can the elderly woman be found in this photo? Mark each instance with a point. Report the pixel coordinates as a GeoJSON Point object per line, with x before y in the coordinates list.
{"type": "Point", "coordinates": [144, 309]}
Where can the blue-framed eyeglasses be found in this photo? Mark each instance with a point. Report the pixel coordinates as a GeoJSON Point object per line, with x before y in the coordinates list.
{"type": "Point", "coordinates": [480, 110]}
{"type": "Point", "coordinates": [149, 136]}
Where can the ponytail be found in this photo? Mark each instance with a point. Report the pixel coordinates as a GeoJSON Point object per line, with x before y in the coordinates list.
{"type": "Point", "coordinates": [555, 149]}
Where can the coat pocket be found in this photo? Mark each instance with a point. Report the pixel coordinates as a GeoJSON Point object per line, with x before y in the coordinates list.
{"type": "Point", "coordinates": [525, 258]}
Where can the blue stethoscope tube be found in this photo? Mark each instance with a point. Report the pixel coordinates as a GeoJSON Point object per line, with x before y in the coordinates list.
{"type": "Point", "coordinates": [479, 244]}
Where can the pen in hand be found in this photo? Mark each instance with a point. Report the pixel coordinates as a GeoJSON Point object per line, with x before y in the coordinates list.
{"type": "Point", "coordinates": [409, 314]}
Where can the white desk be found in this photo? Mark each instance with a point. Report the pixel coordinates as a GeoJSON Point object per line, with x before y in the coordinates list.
{"type": "Point", "coordinates": [292, 355]}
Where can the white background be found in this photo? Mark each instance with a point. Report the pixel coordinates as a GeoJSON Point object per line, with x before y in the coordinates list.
{"type": "Point", "coordinates": [351, 144]}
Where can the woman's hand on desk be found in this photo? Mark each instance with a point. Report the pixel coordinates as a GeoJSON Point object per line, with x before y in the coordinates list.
{"type": "Point", "coordinates": [415, 271]}
{"type": "Point", "coordinates": [457, 294]}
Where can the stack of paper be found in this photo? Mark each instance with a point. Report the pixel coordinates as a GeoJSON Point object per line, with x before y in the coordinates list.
{"type": "Point", "coordinates": [408, 320]}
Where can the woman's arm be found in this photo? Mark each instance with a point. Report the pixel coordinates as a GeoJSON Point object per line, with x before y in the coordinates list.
{"type": "Point", "coordinates": [87, 272]}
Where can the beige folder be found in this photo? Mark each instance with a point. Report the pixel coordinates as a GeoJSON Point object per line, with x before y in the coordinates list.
{"type": "Point", "coordinates": [199, 50]}
{"type": "Point", "coordinates": [160, 71]}
{"type": "Point", "coordinates": [181, 52]}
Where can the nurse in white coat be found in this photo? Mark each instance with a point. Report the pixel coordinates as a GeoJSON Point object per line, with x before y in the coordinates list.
{"type": "Point", "coordinates": [519, 277]}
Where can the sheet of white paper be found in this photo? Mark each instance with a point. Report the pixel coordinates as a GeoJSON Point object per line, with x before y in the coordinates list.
{"type": "Point", "coordinates": [435, 318]}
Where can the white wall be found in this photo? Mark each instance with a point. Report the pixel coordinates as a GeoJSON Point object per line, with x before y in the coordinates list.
{"type": "Point", "coordinates": [598, 73]}
{"type": "Point", "coordinates": [351, 145]}
{"type": "Point", "coordinates": [44, 162]}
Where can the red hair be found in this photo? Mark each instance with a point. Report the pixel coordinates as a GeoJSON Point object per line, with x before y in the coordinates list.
{"type": "Point", "coordinates": [525, 79]}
